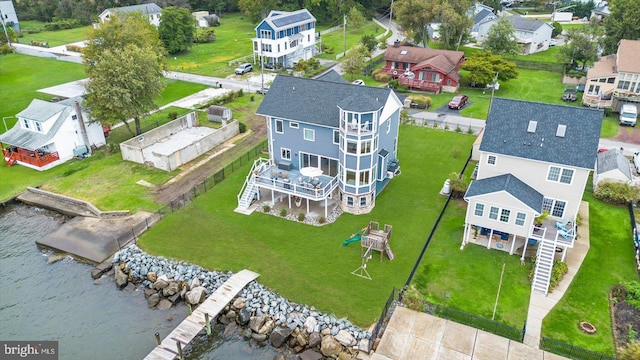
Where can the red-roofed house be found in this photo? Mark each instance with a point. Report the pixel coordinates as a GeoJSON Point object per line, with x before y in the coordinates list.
{"type": "Point", "coordinates": [424, 69]}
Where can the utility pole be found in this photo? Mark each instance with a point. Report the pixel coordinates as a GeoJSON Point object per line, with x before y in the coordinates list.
{"type": "Point", "coordinates": [344, 34]}
{"type": "Point", "coordinates": [261, 67]}
{"type": "Point", "coordinates": [4, 26]}
{"type": "Point", "coordinates": [493, 89]}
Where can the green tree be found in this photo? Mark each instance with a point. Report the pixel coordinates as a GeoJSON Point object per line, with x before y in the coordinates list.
{"type": "Point", "coordinates": [455, 24]}
{"type": "Point", "coordinates": [413, 16]}
{"type": "Point", "coordinates": [580, 48]}
{"type": "Point", "coordinates": [484, 65]}
{"type": "Point", "coordinates": [354, 61]}
{"type": "Point", "coordinates": [557, 29]}
{"type": "Point", "coordinates": [622, 23]}
{"type": "Point", "coordinates": [124, 60]}
{"type": "Point", "coordinates": [257, 10]}
{"type": "Point", "coordinates": [369, 41]}
{"type": "Point", "coordinates": [10, 32]}
{"type": "Point", "coordinates": [501, 39]}
{"type": "Point", "coordinates": [177, 29]}
{"type": "Point", "coordinates": [355, 19]}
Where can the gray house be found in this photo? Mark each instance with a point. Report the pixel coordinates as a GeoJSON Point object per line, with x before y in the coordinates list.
{"type": "Point", "coordinates": [534, 158]}
{"type": "Point", "coordinates": [534, 35]}
{"type": "Point", "coordinates": [327, 140]}
{"type": "Point", "coordinates": [150, 10]}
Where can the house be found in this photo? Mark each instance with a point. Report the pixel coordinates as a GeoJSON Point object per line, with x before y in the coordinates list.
{"type": "Point", "coordinates": [534, 35]}
{"type": "Point", "coordinates": [424, 68]}
{"type": "Point", "coordinates": [613, 80]}
{"type": "Point", "coordinates": [151, 11]}
{"type": "Point", "coordinates": [327, 141]}
{"type": "Point", "coordinates": [612, 166]}
{"type": "Point", "coordinates": [535, 159]}
{"type": "Point", "coordinates": [48, 134]}
{"type": "Point", "coordinates": [9, 16]}
{"type": "Point", "coordinates": [480, 14]}
{"type": "Point", "coordinates": [283, 38]}
{"type": "Point", "coordinates": [600, 12]}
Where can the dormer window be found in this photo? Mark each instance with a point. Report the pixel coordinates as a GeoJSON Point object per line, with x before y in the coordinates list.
{"type": "Point", "coordinates": [38, 126]}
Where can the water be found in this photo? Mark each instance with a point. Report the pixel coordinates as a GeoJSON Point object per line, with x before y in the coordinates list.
{"type": "Point", "coordinates": [59, 301]}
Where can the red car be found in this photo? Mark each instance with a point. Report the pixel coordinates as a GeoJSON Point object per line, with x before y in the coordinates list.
{"type": "Point", "coordinates": [458, 101]}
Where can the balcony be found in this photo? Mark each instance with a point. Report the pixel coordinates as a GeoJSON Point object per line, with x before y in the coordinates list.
{"type": "Point", "coordinates": [36, 158]}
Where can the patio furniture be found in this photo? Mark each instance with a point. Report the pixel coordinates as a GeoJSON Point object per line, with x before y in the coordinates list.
{"type": "Point", "coordinates": [562, 224]}
{"type": "Point", "coordinates": [566, 234]}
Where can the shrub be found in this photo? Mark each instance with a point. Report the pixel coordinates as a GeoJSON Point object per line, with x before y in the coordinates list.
{"type": "Point", "coordinates": [242, 127]}
{"type": "Point", "coordinates": [616, 193]}
{"type": "Point", "coordinates": [266, 208]}
{"type": "Point", "coordinates": [458, 129]}
{"type": "Point", "coordinates": [283, 212]}
{"type": "Point", "coordinates": [74, 48]}
{"type": "Point", "coordinates": [557, 273]}
{"type": "Point", "coordinates": [5, 49]}
{"type": "Point", "coordinates": [421, 99]}
{"type": "Point", "coordinates": [301, 217]}
{"type": "Point", "coordinates": [631, 352]}
{"type": "Point", "coordinates": [205, 35]}
{"type": "Point", "coordinates": [633, 293]}
{"type": "Point", "coordinates": [62, 25]}
{"type": "Point", "coordinates": [322, 219]}
{"type": "Point", "coordinates": [252, 98]}
{"type": "Point", "coordinates": [457, 184]}
{"type": "Point", "coordinates": [557, 29]}
{"type": "Point", "coordinates": [327, 49]}
{"type": "Point", "coordinates": [172, 115]}
{"type": "Point", "coordinates": [380, 76]}
{"type": "Point", "coordinates": [413, 299]}
{"type": "Point", "coordinates": [470, 131]}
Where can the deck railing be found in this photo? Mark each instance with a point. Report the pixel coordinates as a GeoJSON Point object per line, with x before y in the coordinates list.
{"type": "Point", "coordinates": [30, 157]}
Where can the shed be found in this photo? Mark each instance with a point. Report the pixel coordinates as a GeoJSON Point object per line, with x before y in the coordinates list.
{"type": "Point", "coordinates": [219, 114]}
{"type": "Point", "coordinates": [612, 166]}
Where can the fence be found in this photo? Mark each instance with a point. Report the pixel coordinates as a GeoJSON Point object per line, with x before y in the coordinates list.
{"type": "Point", "coordinates": [187, 197]}
{"type": "Point", "coordinates": [635, 237]}
{"type": "Point", "coordinates": [384, 318]}
{"type": "Point", "coordinates": [536, 65]}
{"type": "Point", "coordinates": [372, 66]}
{"type": "Point", "coordinates": [571, 351]}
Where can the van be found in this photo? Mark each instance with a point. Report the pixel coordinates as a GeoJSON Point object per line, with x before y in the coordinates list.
{"type": "Point", "coordinates": [243, 69]}
{"type": "Point", "coordinates": [628, 115]}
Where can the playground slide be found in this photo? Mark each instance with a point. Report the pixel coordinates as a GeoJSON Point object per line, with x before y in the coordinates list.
{"type": "Point", "coordinates": [356, 237]}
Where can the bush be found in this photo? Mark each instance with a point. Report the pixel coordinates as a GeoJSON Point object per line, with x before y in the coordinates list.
{"type": "Point", "coordinates": [6, 49]}
{"type": "Point", "coordinates": [557, 29]}
{"type": "Point", "coordinates": [631, 352]}
{"type": "Point", "coordinates": [616, 193]}
{"type": "Point", "coordinates": [322, 219]}
{"type": "Point", "coordinates": [457, 184]}
{"type": "Point", "coordinates": [283, 212]}
{"type": "Point", "coordinates": [557, 273]}
{"type": "Point", "coordinates": [74, 48]}
{"type": "Point", "coordinates": [62, 25]}
{"type": "Point", "coordinates": [413, 299]}
{"type": "Point", "coordinates": [301, 217]}
{"type": "Point", "coordinates": [221, 100]}
{"type": "Point", "coordinates": [633, 293]}
{"type": "Point", "coordinates": [172, 115]}
{"type": "Point", "coordinates": [266, 208]}
{"type": "Point", "coordinates": [327, 49]}
{"type": "Point", "coordinates": [205, 35]}
{"type": "Point", "coordinates": [421, 99]}
{"type": "Point", "coordinates": [242, 127]}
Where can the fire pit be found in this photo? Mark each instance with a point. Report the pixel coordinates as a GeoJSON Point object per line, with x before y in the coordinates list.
{"type": "Point", "coordinates": [587, 327]}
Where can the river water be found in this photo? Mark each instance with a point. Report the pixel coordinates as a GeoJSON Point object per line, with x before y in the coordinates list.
{"type": "Point", "coordinates": [60, 302]}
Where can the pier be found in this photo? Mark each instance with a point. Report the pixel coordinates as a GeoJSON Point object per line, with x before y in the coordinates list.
{"type": "Point", "coordinates": [168, 349]}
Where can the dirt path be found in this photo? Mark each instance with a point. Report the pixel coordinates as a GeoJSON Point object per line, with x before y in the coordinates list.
{"type": "Point", "coordinates": [170, 191]}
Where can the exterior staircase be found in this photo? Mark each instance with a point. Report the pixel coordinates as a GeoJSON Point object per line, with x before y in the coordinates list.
{"type": "Point", "coordinates": [544, 264]}
{"type": "Point", "coordinates": [250, 191]}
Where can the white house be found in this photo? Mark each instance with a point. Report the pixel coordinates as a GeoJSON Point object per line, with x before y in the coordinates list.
{"type": "Point", "coordinates": [151, 11]}
{"type": "Point", "coordinates": [284, 38]}
{"type": "Point", "coordinates": [612, 166]}
{"type": "Point", "coordinates": [9, 16]}
{"type": "Point", "coordinates": [48, 134]}
{"type": "Point", "coordinates": [534, 35]}
{"type": "Point", "coordinates": [534, 158]}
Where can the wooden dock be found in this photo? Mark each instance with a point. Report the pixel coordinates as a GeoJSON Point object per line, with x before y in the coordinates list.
{"type": "Point", "coordinates": [213, 305]}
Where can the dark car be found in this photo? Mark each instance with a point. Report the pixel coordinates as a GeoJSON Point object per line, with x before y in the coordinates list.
{"type": "Point", "coordinates": [458, 101]}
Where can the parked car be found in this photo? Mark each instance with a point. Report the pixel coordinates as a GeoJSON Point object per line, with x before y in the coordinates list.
{"type": "Point", "coordinates": [243, 69]}
{"type": "Point", "coordinates": [263, 90]}
{"type": "Point", "coordinates": [458, 101]}
{"type": "Point", "coordinates": [628, 114]}
{"type": "Point", "coordinates": [358, 82]}
{"type": "Point", "coordinates": [553, 42]}
{"type": "Point", "coordinates": [569, 95]}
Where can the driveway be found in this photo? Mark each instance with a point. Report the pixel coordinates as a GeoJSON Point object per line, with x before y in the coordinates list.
{"type": "Point", "coordinates": [446, 111]}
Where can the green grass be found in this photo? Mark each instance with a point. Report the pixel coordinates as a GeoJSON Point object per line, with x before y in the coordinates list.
{"type": "Point", "coordinates": [22, 75]}
{"type": "Point", "coordinates": [121, 133]}
{"type": "Point", "coordinates": [55, 38]}
{"type": "Point", "coordinates": [307, 264]}
{"type": "Point", "coordinates": [610, 127]}
{"type": "Point", "coordinates": [176, 89]}
{"type": "Point", "coordinates": [335, 39]}
{"type": "Point", "coordinates": [610, 260]}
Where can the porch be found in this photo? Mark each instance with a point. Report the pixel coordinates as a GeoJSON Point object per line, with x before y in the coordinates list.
{"type": "Point", "coordinates": [37, 158]}
{"type": "Point", "coordinates": [414, 83]}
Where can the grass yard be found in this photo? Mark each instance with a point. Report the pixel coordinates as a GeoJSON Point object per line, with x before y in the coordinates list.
{"type": "Point", "coordinates": [176, 89]}
{"type": "Point", "coordinates": [307, 264]}
{"type": "Point", "coordinates": [53, 38]}
{"type": "Point", "coordinates": [468, 279]}
{"type": "Point", "coordinates": [335, 40]}
{"type": "Point", "coordinates": [610, 260]}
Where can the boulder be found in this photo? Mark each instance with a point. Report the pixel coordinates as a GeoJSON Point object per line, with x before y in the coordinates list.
{"type": "Point", "coordinates": [256, 322]}
{"type": "Point", "coordinates": [164, 304]}
{"type": "Point", "coordinates": [121, 278]}
{"type": "Point", "coordinates": [243, 316]}
{"type": "Point", "coordinates": [195, 283]}
{"type": "Point", "coordinates": [364, 345]}
{"type": "Point", "coordinates": [326, 331]}
{"type": "Point", "coordinates": [267, 327]}
{"type": "Point", "coordinates": [345, 338]}
{"type": "Point", "coordinates": [160, 284]}
{"type": "Point", "coordinates": [239, 303]}
{"type": "Point", "coordinates": [152, 276]}
{"type": "Point", "coordinates": [302, 340]}
{"type": "Point", "coordinates": [174, 298]}
{"type": "Point", "coordinates": [229, 330]}
{"type": "Point", "coordinates": [149, 292]}
{"type": "Point", "coordinates": [153, 300]}
{"type": "Point", "coordinates": [315, 339]}
{"type": "Point", "coordinates": [183, 292]}
{"type": "Point", "coordinates": [310, 324]}
{"type": "Point", "coordinates": [259, 337]}
{"type": "Point", "coordinates": [310, 355]}
{"type": "Point", "coordinates": [246, 333]}
{"type": "Point", "coordinates": [231, 314]}
{"type": "Point", "coordinates": [171, 289]}
{"type": "Point", "coordinates": [330, 346]}
{"type": "Point", "coordinates": [196, 295]}
{"type": "Point", "coordinates": [130, 287]}
{"type": "Point", "coordinates": [279, 335]}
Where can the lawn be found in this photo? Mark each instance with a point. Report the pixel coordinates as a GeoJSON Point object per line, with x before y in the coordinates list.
{"type": "Point", "coordinates": [609, 261]}
{"type": "Point", "coordinates": [53, 38]}
{"type": "Point", "coordinates": [307, 264]}
{"type": "Point", "coordinates": [335, 40]}
{"type": "Point", "coordinates": [176, 89]}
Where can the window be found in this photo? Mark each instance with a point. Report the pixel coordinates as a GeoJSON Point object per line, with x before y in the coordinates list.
{"type": "Point", "coordinates": [493, 213]}
{"type": "Point", "coordinates": [349, 200]}
{"type": "Point", "coordinates": [611, 80]}
{"type": "Point", "coordinates": [38, 126]}
{"type": "Point", "coordinates": [364, 177]}
{"type": "Point", "coordinates": [74, 117]}
{"type": "Point", "coordinates": [363, 201]}
{"type": "Point", "coordinates": [504, 215]}
{"type": "Point", "coordinates": [554, 173]}
{"type": "Point", "coordinates": [365, 147]}
{"type": "Point", "coordinates": [594, 89]}
{"type": "Point", "coordinates": [388, 126]}
{"type": "Point", "coordinates": [294, 125]}
{"type": "Point", "coordinates": [285, 154]}
{"type": "Point", "coordinates": [352, 147]}
{"type": "Point", "coordinates": [25, 123]}
{"type": "Point", "coordinates": [279, 127]}
{"type": "Point", "coordinates": [265, 34]}
{"type": "Point", "coordinates": [554, 207]}
{"type": "Point", "coordinates": [336, 136]}
{"type": "Point", "coordinates": [309, 134]}
{"type": "Point", "coordinates": [435, 77]}
{"type": "Point", "coordinates": [567, 175]}
{"type": "Point", "coordinates": [491, 160]}
{"type": "Point", "coordinates": [520, 218]}
{"type": "Point", "coordinates": [351, 177]}
{"type": "Point", "coordinates": [623, 85]}
{"type": "Point", "coordinates": [558, 174]}
{"type": "Point", "coordinates": [479, 211]}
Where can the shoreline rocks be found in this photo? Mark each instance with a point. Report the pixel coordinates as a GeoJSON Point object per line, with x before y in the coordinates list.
{"type": "Point", "coordinates": [257, 313]}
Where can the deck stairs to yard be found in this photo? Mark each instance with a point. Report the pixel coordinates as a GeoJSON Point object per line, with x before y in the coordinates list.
{"type": "Point", "coordinates": [250, 191]}
{"type": "Point", "coordinates": [544, 264]}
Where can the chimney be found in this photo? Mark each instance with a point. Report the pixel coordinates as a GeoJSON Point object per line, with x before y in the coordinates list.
{"type": "Point", "coordinates": [396, 43]}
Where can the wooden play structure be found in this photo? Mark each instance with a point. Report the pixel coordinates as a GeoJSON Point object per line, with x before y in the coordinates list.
{"type": "Point", "coordinates": [375, 239]}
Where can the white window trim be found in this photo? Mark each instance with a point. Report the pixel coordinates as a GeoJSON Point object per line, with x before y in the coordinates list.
{"type": "Point", "coordinates": [335, 131]}
{"type": "Point", "coordinates": [524, 220]}
{"type": "Point", "coordinates": [282, 150]}
{"type": "Point", "coordinates": [475, 209]}
{"type": "Point", "coordinates": [294, 125]}
{"type": "Point", "coordinates": [495, 160]}
{"type": "Point", "coordinates": [313, 135]}
{"type": "Point", "coordinates": [276, 126]}
{"type": "Point", "coordinates": [561, 171]}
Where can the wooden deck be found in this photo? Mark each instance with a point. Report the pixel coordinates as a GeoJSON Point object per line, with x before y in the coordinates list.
{"type": "Point", "coordinates": [213, 305]}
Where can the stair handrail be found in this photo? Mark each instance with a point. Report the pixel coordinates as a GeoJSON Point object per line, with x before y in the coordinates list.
{"type": "Point", "coordinates": [258, 165]}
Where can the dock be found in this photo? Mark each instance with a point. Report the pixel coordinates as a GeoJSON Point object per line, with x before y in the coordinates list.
{"type": "Point", "coordinates": [194, 323]}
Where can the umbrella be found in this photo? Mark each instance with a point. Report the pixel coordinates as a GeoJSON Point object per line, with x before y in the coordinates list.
{"type": "Point", "coordinates": [311, 171]}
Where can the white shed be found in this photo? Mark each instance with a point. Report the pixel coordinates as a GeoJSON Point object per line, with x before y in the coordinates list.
{"type": "Point", "coordinates": [612, 166]}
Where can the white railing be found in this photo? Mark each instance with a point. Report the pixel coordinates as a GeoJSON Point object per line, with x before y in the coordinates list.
{"type": "Point", "coordinates": [259, 166]}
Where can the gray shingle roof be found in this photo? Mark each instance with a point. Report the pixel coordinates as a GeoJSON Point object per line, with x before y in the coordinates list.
{"type": "Point", "coordinates": [150, 8]}
{"type": "Point", "coordinates": [282, 19]}
{"type": "Point", "coordinates": [512, 185]}
{"type": "Point", "coordinates": [316, 101]}
{"type": "Point", "coordinates": [481, 15]}
{"type": "Point", "coordinates": [332, 76]}
{"type": "Point", "coordinates": [32, 140]}
{"type": "Point", "coordinates": [613, 160]}
{"type": "Point", "coordinates": [520, 23]}
{"type": "Point", "coordinates": [40, 110]}
{"type": "Point", "coordinates": [506, 132]}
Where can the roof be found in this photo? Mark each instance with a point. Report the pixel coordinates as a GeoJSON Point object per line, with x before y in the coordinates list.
{"type": "Point", "coordinates": [510, 184]}
{"type": "Point", "coordinates": [628, 51]}
{"type": "Point", "coordinates": [481, 15]}
{"type": "Point", "coordinates": [443, 60]}
{"type": "Point", "coordinates": [285, 19]}
{"type": "Point", "coordinates": [520, 23]}
{"type": "Point", "coordinates": [332, 76]}
{"type": "Point", "coordinates": [150, 8]}
{"type": "Point", "coordinates": [606, 66]}
{"type": "Point", "coordinates": [613, 160]}
{"type": "Point", "coordinates": [506, 132]}
{"type": "Point", "coordinates": [38, 110]}
{"type": "Point", "coordinates": [316, 101]}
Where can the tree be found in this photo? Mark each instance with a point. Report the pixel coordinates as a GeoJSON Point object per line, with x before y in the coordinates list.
{"type": "Point", "coordinates": [9, 32]}
{"type": "Point", "coordinates": [355, 59]}
{"type": "Point", "coordinates": [413, 16]}
{"type": "Point", "coordinates": [557, 29]}
{"type": "Point", "coordinates": [177, 29]}
{"type": "Point", "coordinates": [355, 19]}
{"type": "Point", "coordinates": [455, 24]}
{"type": "Point", "coordinates": [124, 60]}
{"type": "Point", "coordinates": [369, 41]}
{"type": "Point", "coordinates": [622, 23]}
{"type": "Point", "coordinates": [257, 10]}
{"type": "Point", "coordinates": [501, 39]}
{"type": "Point", "coordinates": [580, 48]}
{"type": "Point", "coordinates": [484, 65]}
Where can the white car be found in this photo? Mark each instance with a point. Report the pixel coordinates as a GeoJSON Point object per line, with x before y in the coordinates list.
{"type": "Point", "coordinates": [358, 82]}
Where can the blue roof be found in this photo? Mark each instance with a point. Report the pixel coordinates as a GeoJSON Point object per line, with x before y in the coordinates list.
{"type": "Point", "coordinates": [506, 132]}
{"type": "Point", "coordinates": [510, 184]}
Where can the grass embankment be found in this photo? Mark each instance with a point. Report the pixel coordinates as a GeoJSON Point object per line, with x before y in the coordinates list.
{"type": "Point", "coordinates": [53, 38]}
{"type": "Point", "coordinates": [307, 264]}
{"type": "Point", "coordinates": [335, 39]}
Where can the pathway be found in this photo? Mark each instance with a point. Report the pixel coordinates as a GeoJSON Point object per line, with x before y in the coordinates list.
{"type": "Point", "coordinates": [193, 324]}
{"type": "Point", "coordinates": [539, 304]}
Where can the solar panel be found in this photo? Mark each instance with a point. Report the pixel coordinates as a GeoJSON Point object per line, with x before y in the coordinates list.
{"type": "Point", "coordinates": [291, 19]}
